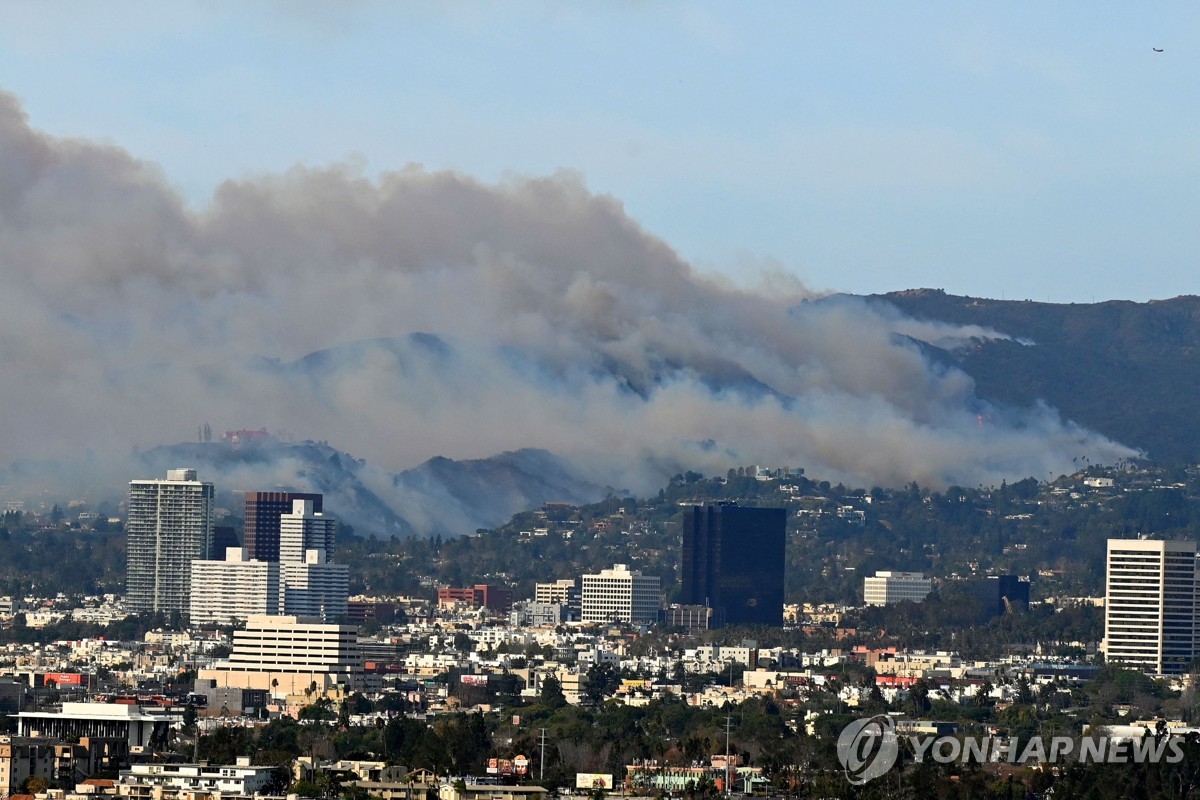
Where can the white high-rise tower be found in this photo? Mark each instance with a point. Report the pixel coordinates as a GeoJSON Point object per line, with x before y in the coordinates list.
{"type": "Point", "coordinates": [620, 595]}
{"type": "Point", "coordinates": [304, 530]}
{"type": "Point", "coordinates": [1150, 611]}
{"type": "Point", "coordinates": [311, 585]}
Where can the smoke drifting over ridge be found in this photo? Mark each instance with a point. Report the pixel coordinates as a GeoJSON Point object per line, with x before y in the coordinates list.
{"type": "Point", "coordinates": [557, 323]}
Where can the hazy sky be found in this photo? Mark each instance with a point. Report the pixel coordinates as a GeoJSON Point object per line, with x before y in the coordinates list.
{"type": "Point", "coordinates": [1018, 150]}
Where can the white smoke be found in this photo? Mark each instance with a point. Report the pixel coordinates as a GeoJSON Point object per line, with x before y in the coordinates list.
{"type": "Point", "coordinates": [128, 320]}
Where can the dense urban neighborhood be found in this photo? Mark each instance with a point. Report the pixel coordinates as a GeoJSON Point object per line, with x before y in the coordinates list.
{"type": "Point", "coordinates": [581, 401]}
{"type": "Point", "coordinates": [718, 638]}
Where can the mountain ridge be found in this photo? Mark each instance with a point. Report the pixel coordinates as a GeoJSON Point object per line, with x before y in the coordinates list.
{"type": "Point", "coordinates": [1125, 369]}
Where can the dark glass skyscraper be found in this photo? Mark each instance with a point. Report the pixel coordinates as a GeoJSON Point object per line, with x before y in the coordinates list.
{"type": "Point", "coordinates": [263, 510]}
{"type": "Point", "coordinates": [733, 559]}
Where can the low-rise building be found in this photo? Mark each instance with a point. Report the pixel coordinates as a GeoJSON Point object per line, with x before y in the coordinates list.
{"type": "Point", "coordinates": [162, 781]}
{"type": "Point", "coordinates": [137, 726]}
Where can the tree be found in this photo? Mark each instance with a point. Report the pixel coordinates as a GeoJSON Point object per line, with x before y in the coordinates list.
{"type": "Point", "coordinates": [319, 711]}
{"type": "Point", "coordinates": [189, 717]}
{"type": "Point", "coordinates": [36, 785]}
{"type": "Point", "coordinates": [602, 680]}
{"type": "Point", "coordinates": [306, 789]}
{"type": "Point", "coordinates": [552, 694]}
{"type": "Point", "coordinates": [918, 698]}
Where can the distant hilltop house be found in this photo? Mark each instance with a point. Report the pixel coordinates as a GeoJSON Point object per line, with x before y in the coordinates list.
{"type": "Point", "coordinates": [240, 437]}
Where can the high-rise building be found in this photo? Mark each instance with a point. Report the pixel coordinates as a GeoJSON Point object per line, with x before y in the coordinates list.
{"type": "Point", "coordinates": [733, 562]}
{"type": "Point", "coordinates": [224, 537]}
{"type": "Point", "coordinates": [169, 523]}
{"type": "Point", "coordinates": [303, 581]}
{"type": "Point", "coordinates": [314, 588]}
{"type": "Point", "coordinates": [311, 584]}
{"type": "Point", "coordinates": [620, 595]}
{"type": "Point", "coordinates": [263, 510]}
{"type": "Point", "coordinates": [304, 527]}
{"type": "Point", "coordinates": [1150, 608]}
{"type": "Point", "coordinates": [228, 591]}
{"type": "Point", "coordinates": [999, 594]}
{"type": "Point", "coordinates": [889, 587]}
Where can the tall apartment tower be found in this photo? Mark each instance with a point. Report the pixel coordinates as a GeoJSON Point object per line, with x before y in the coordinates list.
{"type": "Point", "coordinates": [232, 589]}
{"type": "Point", "coordinates": [263, 509]}
{"type": "Point", "coordinates": [1151, 605]}
{"type": "Point", "coordinates": [169, 523]}
{"type": "Point", "coordinates": [733, 561]}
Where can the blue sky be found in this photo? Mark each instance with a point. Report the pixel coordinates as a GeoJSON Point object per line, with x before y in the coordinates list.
{"type": "Point", "coordinates": [1017, 150]}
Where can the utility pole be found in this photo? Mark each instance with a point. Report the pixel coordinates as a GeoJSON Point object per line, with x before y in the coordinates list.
{"type": "Point", "coordinates": [542, 758]}
{"type": "Point", "coordinates": [728, 724]}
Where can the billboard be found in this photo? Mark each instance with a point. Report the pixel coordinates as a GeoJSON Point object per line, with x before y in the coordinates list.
{"type": "Point", "coordinates": [63, 679]}
{"type": "Point", "coordinates": [473, 680]}
{"type": "Point", "coordinates": [593, 780]}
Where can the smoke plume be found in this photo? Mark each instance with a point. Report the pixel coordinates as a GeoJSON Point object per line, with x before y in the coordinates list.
{"type": "Point", "coordinates": [555, 322]}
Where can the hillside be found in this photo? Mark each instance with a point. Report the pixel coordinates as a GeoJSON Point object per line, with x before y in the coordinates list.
{"type": "Point", "coordinates": [1127, 370]}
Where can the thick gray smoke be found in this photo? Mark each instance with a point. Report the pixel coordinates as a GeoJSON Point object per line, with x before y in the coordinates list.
{"type": "Point", "coordinates": [128, 320]}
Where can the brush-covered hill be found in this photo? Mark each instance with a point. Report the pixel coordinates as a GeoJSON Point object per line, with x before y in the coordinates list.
{"type": "Point", "coordinates": [1130, 371]}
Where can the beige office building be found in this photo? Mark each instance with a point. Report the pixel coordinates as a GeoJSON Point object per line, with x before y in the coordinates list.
{"type": "Point", "coordinates": [288, 654]}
